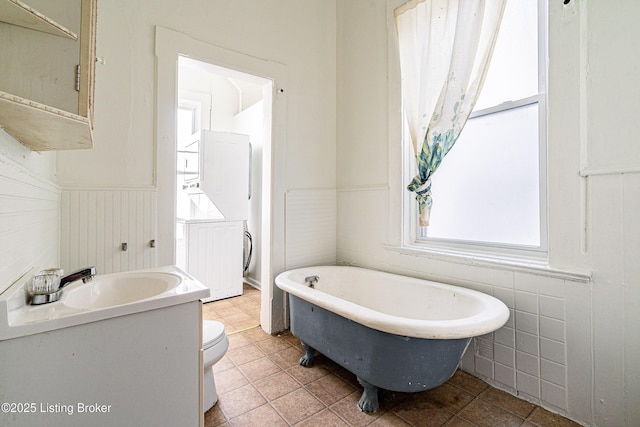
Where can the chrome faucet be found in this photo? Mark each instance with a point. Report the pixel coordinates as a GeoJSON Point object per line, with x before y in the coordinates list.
{"type": "Point", "coordinates": [47, 285]}
{"type": "Point", "coordinates": [86, 274]}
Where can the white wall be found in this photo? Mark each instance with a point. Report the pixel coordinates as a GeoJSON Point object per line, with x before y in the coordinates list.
{"type": "Point", "coordinates": [251, 121]}
{"type": "Point", "coordinates": [224, 96]}
{"type": "Point", "coordinates": [29, 211]}
{"type": "Point", "coordinates": [300, 35]}
{"type": "Point", "coordinates": [570, 345]}
{"type": "Point", "coordinates": [612, 39]}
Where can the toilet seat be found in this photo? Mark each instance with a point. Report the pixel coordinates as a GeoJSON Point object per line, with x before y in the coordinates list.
{"type": "Point", "coordinates": [212, 333]}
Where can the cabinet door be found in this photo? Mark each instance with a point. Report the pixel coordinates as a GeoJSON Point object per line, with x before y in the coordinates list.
{"type": "Point", "coordinates": [47, 72]}
{"type": "Point", "coordinates": [39, 66]}
{"type": "Point", "coordinates": [214, 256]}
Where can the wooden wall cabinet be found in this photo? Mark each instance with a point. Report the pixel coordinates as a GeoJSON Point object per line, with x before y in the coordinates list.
{"type": "Point", "coordinates": [47, 73]}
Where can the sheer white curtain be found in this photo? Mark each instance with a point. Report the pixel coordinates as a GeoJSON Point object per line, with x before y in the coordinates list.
{"type": "Point", "coordinates": [445, 49]}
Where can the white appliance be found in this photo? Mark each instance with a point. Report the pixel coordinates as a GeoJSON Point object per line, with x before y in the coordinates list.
{"type": "Point", "coordinates": [212, 253]}
{"type": "Point", "coordinates": [217, 178]}
{"type": "Point", "coordinates": [216, 169]}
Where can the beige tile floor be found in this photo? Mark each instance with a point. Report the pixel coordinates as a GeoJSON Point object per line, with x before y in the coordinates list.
{"type": "Point", "coordinates": [260, 383]}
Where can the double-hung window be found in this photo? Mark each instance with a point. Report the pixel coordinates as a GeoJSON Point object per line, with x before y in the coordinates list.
{"type": "Point", "coordinates": [489, 193]}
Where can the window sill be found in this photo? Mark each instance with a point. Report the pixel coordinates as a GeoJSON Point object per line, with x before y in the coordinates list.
{"type": "Point", "coordinates": [535, 267]}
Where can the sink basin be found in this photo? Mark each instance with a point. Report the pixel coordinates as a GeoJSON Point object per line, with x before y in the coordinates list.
{"type": "Point", "coordinates": [108, 291]}
{"type": "Point", "coordinates": [106, 296]}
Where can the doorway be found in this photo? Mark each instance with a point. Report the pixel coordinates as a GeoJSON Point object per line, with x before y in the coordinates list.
{"type": "Point", "coordinates": [219, 99]}
{"type": "Point", "coordinates": [169, 48]}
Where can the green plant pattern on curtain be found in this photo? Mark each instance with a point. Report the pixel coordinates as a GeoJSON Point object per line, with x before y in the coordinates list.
{"type": "Point", "coordinates": [430, 157]}
{"type": "Point", "coordinates": [445, 48]}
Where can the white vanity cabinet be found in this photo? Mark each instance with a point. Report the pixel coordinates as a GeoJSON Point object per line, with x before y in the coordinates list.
{"type": "Point", "coordinates": [124, 349]}
{"type": "Point", "coordinates": [47, 72]}
{"type": "Point", "coordinates": [213, 254]}
{"type": "Point", "coordinates": [142, 369]}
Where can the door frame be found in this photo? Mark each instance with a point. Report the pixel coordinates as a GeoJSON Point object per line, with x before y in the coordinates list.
{"type": "Point", "coordinates": [169, 46]}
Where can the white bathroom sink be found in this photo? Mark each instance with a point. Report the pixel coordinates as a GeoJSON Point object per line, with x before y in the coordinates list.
{"type": "Point", "coordinates": [109, 291]}
{"type": "Point", "coordinates": [106, 296]}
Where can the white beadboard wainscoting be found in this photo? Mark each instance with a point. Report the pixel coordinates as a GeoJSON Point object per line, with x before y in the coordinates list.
{"type": "Point", "coordinates": [96, 222]}
{"type": "Point", "coordinates": [29, 216]}
{"type": "Point", "coordinates": [310, 227]}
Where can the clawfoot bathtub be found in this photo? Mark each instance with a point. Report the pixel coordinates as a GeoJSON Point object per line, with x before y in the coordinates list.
{"type": "Point", "coordinates": [393, 332]}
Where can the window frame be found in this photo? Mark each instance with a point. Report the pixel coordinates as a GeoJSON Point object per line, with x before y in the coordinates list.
{"type": "Point", "coordinates": [412, 234]}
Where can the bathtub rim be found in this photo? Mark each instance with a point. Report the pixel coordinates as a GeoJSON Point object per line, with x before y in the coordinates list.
{"type": "Point", "coordinates": [493, 316]}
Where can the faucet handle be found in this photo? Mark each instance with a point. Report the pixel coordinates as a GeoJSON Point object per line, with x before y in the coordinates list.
{"type": "Point", "coordinates": [311, 281]}
{"type": "Point", "coordinates": [46, 281]}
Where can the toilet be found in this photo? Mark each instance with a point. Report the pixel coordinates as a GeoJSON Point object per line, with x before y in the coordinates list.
{"type": "Point", "coordinates": [214, 346]}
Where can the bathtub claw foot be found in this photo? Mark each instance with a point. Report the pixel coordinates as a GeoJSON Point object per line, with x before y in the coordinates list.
{"type": "Point", "coordinates": [369, 400]}
{"type": "Point", "coordinates": [309, 355]}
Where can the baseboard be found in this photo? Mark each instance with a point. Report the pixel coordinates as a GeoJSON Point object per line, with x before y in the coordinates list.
{"type": "Point", "coordinates": [252, 282]}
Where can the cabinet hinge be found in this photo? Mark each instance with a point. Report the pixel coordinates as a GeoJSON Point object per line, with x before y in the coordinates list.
{"type": "Point", "coordinates": [78, 77]}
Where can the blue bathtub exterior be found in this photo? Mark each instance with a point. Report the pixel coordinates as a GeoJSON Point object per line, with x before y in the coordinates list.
{"type": "Point", "coordinates": [392, 362]}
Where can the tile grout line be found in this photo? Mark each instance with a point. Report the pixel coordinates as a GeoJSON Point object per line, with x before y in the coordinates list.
{"type": "Point", "coordinates": [269, 401]}
{"type": "Point", "coordinates": [242, 330]}
{"type": "Point", "coordinates": [304, 387]}
{"type": "Point", "coordinates": [249, 382]}
{"type": "Point", "coordinates": [477, 397]}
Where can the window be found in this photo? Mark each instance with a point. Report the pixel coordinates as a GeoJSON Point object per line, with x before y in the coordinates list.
{"type": "Point", "coordinates": [187, 163]}
{"type": "Point", "coordinates": [489, 194]}
{"type": "Point", "coordinates": [187, 123]}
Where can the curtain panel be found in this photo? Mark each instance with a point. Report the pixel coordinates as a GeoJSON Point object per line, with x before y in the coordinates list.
{"type": "Point", "coordinates": [445, 48]}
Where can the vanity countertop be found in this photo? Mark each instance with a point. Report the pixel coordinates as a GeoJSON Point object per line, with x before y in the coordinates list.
{"type": "Point", "coordinates": [106, 296]}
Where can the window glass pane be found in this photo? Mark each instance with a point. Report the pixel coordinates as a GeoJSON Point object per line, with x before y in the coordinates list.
{"type": "Point", "coordinates": [513, 71]}
{"type": "Point", "coordinates": [185, 123]}
{"type": "Point", "coordinates": [487, 188]}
